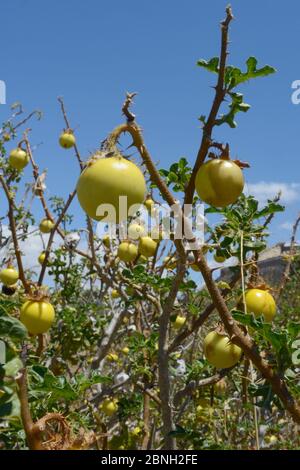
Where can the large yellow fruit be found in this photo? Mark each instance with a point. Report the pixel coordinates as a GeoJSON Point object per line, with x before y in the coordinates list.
{"type": "Point", "coordinates": [179, 322]}
{"type": "Point", "coordinates": [147, 247]}
{"type": "Point", "coordinates": [9, 276]}
{"type": "Point", "coordinates": [220, 352]}
{"type": "Point", "coordinates": [260, 302]}
{"type": "Point", "coordinates": [127, 252]}
{"type": "Point", "coordinates": [219, 182]}
{"type": "Point", "coordinates": [46, 225]}
{"type": "Point", "coordinates": [37, 316]}
{"type": "Point", "coordinates": [104, 181]}
{"type": "Point", "coordinates": [18, 159]}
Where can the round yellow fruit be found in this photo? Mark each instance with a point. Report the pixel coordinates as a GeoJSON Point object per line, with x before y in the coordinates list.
{"type": "Point", "coordinates": [179, 322]}
{"type": "Point", "coordinates": [109, 406]}
{"type": "Point", "coordinates": [260, 302]}
{"type": "Point", "coordinates": [195, 267]}
{"type": "Point", "coordinates": [115, 294]}
{"type": "Point", "coordinates": [136, 231]}
{"type": "Point", "coordinates": [104, 181]}
{"type": "Point", "coordinates": [219, 259]}
{"type": "Point", "coordinates": [147, 247]}
{"type": "Point", "coordinates": [46, 226]}
{"type": "Point", "coordinates": [149, 203]}
{"type": "Point", "coordinates": [42, 257]}
{"type": "Point", "coordinates": [37, 316]}
{"type": "Point", "coordinates": [9, 276]}
{"type": "Point", "coordinates": [220, 352]}
{"type": "Point", "coordinates": [125, 350]}
{"type": "Point", "coordinates": [112, 357]}
{"type": "Point", "coordinates": [67, 140]}
{"type": "Point", "coordinates": [106, 241]}
{"type": "Point", "coordinates": [219, 182]}
{"type": "Point", "coordinates": [127, 252]}
{"type": "Point", "coordinates": [18, 159]}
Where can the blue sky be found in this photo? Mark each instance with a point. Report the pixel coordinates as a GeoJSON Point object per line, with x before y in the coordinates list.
{"type": "Point", "coordinates": [92, 52]}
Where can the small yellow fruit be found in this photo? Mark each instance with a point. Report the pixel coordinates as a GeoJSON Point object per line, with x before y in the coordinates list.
{"type": "Point", "coordinates": [125, 350]}
{"type": "Point", "coordinates": [67, 140]}
{"type": "Point", "coordinates": [109, 406]}
{"type": "Point", "coordinates": [260, 302]}
{"type": "Point", "coordinates": [127, 252]}
{"type": "Point", "coordinates": [220, 352]}
{"type": "Point", "coordinates": [9, 276]}
{"type": "Point", "coordinates": [42, 257]}
{"type": "Point", "coordinates": [179, 322]}
{"type": "Point", "coordinates": [18, 159]}
{"type": "Point", "coordinates": [115, 294]}
{"type": "Point", "coordinates": [37, 316]}
{"type": "Point", "coordinates": [219, 259]}
{"type": "Point", "coordinates": [219, 182]}
{"type": "Point", "coordinates": [112, 357]}
{"type": "Point", "coordinates": [195, 267]}
{"type": "Point", "coordinates": [147, 247]}
{"type": "Point", "coordinates": [149, 203]}
{"type": "Point", "coordinates": [46, 226]}
{"type": "Point", "coordinates": [6, 137]}
{"type": "Point", "coordinates": [136, 231]}
{"type": "Point", "coordinates": [106, 241]}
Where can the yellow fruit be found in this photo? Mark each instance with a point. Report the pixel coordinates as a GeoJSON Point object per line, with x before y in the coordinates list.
{"type": "Point", "coordinates": [9, 276]}
{"type": "Point", "coordinates": [109, 406]}
{"type": "Point", "coordinates": [112, 357]}
{"type": "Point", "coordinates": [127, 252]}
{"type": "Point", "coordinates": [147, 247]}
{"type": "Point", "coordinates": [115, 294]}
{"type": "Point", "coordinates": [195, 268]}
{"type": "Point", "coordinates": [170, 262]}
{"type": "Point", "coordinates": [125, 350]}
{"type": "Point", "coordinates": [106, 241]}
{"type": "Point", "coordinates": [142, 259]}
{"type": "Point", "coordinates": [37, 316]}
{"type": "Point", "coordinates": [260, 302]}
{"type": "Point", "coordinates": [179, 322]}
{"type": "Point", "coordinates": [6, 137]}
{"type": "Point", "coordinates": [42, 257]}
{"type": "Point", "coordinates": [219, 259]}
{"type": "Point", "coordinates": [67, 140]}
{"type": "Point", "coordinates": [104, 181]}
{"type": "Point", "coordinates": [219, 182]}
{"type": "Point", "coordinates": [136, 231]}
{"type": "Point", "coordinates": [46, 226]}
{"type": "Point", "coordinates": [149, 203]}
{"type": "Point", "coordinates": [18, 159]}
{"type": "Point", "coordinates": [220, 352]}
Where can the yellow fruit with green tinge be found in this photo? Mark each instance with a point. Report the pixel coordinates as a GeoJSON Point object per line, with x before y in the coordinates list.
{"type": "Point", "coordinates": [127, 252]}
{"type": "Point", "coordinates": [18, 159]}
{"type": "Point", "coordinates": [149, 203]}
{"type": "Point", "coordinates": [136, 231]}
{"type": "Point", "coordinates": [67, 140]}
{"type": "Point", "coordinates": [147, 247]}
{"type": "Point", "coordinates": [42, 257]}
{"type": "Point", "coordinates": [219, 182]}
{"type": "Point", "coordinates": [46, 225]}
{"type": "Point", "coordinates": [9, 276]}
{"type": "Point", "coordinates": [109, 406]}
{"type": "Point", "coordinates": [195, 267]}
{"type": "Point", "coordinates": [106, 241]}
{"type": "Point", "coordinates": [37, 316]}
{"type": "Point", "coordinates": [115, 294]}
{"type": "Point", "coordinates": [179, 322]}
{"type": "Point", "coordinates": [220, 352]}
{"type": "Point", "coordinates": [112, 357]}
{"type": "Point", "coordinates": [104, 181]}
{"type": "Point", "coordinates": [125, 350]}
{"type": "Point", "coordinates": [219, 259]}
{"type": "Point", "coordinates": [260, 302]}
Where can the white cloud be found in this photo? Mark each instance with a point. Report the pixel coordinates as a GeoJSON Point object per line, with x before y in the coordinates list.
{"type": "Point", "coordinates": [290, 192]}
{"type": "Point", "coordinates": [286, 226]}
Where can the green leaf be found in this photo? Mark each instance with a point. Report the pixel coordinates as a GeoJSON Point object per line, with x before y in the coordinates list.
{"type": "Point", "coordinates": [212, 65]}
{"type": "Point", "coordinates": [12, 327]}
{"type": "Point", "coordinates": [237, 105]}
{"type": "Point", "coordinates": [234, 76]}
